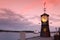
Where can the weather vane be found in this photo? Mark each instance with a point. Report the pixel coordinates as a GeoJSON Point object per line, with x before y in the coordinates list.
{"type": "Point", "coordinates": [44, 7]}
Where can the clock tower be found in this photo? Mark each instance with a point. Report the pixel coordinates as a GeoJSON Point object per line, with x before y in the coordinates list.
{"type": "Point", "coordinates": [45, 32]}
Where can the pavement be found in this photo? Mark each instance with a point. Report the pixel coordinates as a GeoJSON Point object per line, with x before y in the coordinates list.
{"type": "Point", "coordinates": [40, 38]}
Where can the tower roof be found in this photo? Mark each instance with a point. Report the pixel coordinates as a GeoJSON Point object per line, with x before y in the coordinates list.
{"type": "Point", "coordinates": [44, 14]}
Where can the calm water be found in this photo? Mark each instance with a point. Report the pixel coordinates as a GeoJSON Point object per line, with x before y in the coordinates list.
{"type": "Point", "coordinates": [15, 36]}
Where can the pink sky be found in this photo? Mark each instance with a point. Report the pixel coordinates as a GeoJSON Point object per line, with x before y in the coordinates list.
{"type": "Point", "coordinates": [28, 17]}
{"type": "Point", "coordinates": [32, 9]}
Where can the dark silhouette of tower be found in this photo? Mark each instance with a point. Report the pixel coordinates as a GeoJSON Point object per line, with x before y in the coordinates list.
{"type": "Point", "coordinates": [45, 32]}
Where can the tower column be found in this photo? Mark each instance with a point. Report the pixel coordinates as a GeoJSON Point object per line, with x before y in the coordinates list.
{"type": "Point", "coordinates": [45, 32]}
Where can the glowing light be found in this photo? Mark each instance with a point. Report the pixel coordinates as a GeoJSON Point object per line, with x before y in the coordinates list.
{"type": "Point", "coordinates": [44, 18]}
{"type": "Point", "coordinates": [44, 29]}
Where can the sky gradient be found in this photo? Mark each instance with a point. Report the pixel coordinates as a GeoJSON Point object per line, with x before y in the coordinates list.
{"type": "Point", "coordinates": [29, 12]}
{"type": "Point", "coordinates": [25, 15]}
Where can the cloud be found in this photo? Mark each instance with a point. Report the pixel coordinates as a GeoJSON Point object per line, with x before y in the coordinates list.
{"type": "Point", "coordinates": [12, 21]}
{"type": "Point", "coordinates": [54, 19]}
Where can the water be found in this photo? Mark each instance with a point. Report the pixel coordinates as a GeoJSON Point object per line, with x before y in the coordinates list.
{"type": "Point", "coordinates": [15, 36]}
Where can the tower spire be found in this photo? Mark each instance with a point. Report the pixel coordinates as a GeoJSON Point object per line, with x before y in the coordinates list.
{"type": "Point", "coordinates": [44, 7]}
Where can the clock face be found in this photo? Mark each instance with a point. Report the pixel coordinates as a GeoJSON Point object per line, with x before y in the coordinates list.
{"type": "Point", "coordinates": [44, 19]}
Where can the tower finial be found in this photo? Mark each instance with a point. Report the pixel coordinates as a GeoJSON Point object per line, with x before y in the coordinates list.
{"type": "Point", "coordinates": [44, 7]}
